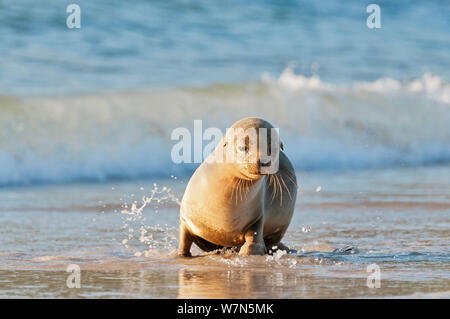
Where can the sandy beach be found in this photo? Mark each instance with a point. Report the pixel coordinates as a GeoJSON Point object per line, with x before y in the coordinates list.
{"type": "Point", "coordinates": [398, 221]}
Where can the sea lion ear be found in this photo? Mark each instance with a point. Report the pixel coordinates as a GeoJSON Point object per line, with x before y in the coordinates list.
{"type": "Point", "coordinates": [281, 146]}
{"type": "Point", "coordinates": [225, 144]}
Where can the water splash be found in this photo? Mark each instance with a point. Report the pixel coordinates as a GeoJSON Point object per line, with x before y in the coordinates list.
{"type": "Point", "coordinates": [276, 256]}
{"type": "Point", "coordinates": [140, 235]}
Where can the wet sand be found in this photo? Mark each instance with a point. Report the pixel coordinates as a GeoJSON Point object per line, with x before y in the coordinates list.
{"type": "Point", "coordinates": [344, 221]}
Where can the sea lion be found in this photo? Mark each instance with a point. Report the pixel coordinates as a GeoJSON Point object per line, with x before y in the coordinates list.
{"type": "Point", "coordinates": [240, 202]}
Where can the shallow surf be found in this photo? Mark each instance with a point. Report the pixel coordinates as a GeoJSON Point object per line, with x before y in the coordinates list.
{"type": "Point", "coordinates": [344, 222]}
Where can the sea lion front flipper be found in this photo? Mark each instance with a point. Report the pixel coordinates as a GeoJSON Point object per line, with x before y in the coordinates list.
{"type": "Point", "coordinates": [186, 240]}
{"type": "Point", "coordinates": [254, 242]}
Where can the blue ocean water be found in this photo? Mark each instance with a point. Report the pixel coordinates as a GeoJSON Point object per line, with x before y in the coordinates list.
{"type": "Point", "coordinates": [95, 103]}
{"type": "Point", "coordinates": [151, 43]}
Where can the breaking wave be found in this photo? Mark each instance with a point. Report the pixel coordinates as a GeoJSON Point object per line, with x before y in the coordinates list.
{"type": "Point", "coordinates": [124, 135]}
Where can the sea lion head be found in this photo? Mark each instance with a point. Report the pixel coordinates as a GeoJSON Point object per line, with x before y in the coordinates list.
{"type": "Point", "coordinates": [252, 147]}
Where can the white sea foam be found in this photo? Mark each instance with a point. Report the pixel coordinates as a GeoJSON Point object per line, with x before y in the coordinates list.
{"type": "Point", "coordinates": [322, 125]}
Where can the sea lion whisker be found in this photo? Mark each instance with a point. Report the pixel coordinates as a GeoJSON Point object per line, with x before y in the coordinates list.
{"type": "Point", "coordinates": [293, 181]}
{"type": "Point", "coordinates": [246, 188]}
{"type": "Point", "coordinates": [282, 180]}
{"type": "Point", "coordinates": [271, 185]}
{"type": "Point", "coordinates": [275, 183]}
{"type": "Point", "coordinates": [240, 188]}
{"type": "Point", "coordinates": [234, 191]}
{"type": "Point", "coordinates": [274, 191]}
{"type": "Point", "coordinates": [281, 190]}
{"type": "Point", "coordinates": [233, 182]}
